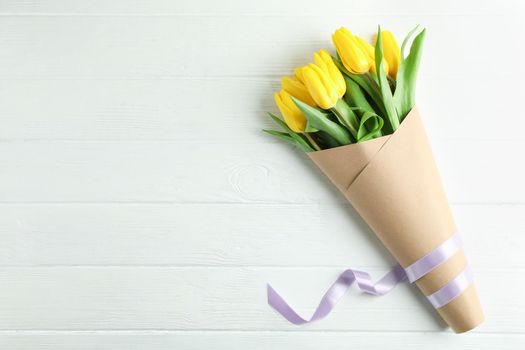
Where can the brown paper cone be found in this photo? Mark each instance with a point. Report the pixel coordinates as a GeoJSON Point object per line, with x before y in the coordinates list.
{"type": "Point", "coordinates": [393, 183]}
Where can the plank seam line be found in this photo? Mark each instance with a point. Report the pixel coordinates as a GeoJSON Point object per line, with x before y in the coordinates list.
{"type": "Point", "coordinates": [248, 14]}
{"type": "Point", "coordinates": [226, 204]}
{"type": "Point", "coordinates": [196, 330]}
{"type": "Point", "coordinates": [374, 268]}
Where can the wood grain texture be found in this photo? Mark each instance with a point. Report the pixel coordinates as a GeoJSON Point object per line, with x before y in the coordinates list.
{"type": "Point", "coordinates": [172, 109]}
{"type": "Point", "coordinates": [228, 172]}
{"type": "Point", "coordinates": [135, 340]}
{"type": "Point", "coordinates": [256, 8]}
{"type": "Point", "coordinates": [225, 298]}
{"type": "Point", "coordinates": [195, 235]}
{"type": "Point", "coordinates": [102, 47]}
{"type": "Point", "coordinates": [142, 208]}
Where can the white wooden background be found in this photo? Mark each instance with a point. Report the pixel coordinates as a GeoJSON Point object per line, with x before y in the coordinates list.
{"type": "Point", "coordinates": [142, 208]}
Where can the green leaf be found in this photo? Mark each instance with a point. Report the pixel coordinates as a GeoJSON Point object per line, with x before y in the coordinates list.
{"type": "Point", "coordinates": [287, 138]}
{"type": "Point", "coordinates": [405, 94]}
{"type": "Point", "coordinates": [386, 93]}
{"type": "Point", "coordinates": [326, 140]}
{"type": "Point", "coordinates": [319, 120]}
{"type": "Point", "coordinates": [281, 135]}
{"type": "Point", "coordinates": [370, 126]}
{"type": "Point", "coordinates": [346, 116]}
{"type": "Point", "coordinates": [406, 40]}
{"type": "Point", "coordinates": [355, 97]}
{"type": "Point", "coordinates": [366, 82]}
{"type": "Point", "coordinates": [298, 138]}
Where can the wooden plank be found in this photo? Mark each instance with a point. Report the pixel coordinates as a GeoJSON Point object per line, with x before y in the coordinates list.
{"type": "Point", "coordinates": [142, 208]}
{"type": "Point", "coordinates": [164, 47]}
{"type": "Point", "coordinates": [473, 171]}
{"type": "Point", "coordinates": [274, 7]}
{"type": "Point", "coordinates": [256, 340]}
{"type": "Point", "coordinates": [88, 298]}
{"type": "Point", "coordinates": [231, 235]}
{"type": "Point", "coordinates": [219, 109]}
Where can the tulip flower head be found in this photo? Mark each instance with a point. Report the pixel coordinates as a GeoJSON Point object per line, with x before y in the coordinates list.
{"type": "Point", "coordinates": [324, 61]}
{"type": "Point", "coordinates": [298, 74]}
{"type": "Point", "coordinates": [292, 115]}
{"type": "Point", "coordinates": [323, 80]}
{"type": "Point", "coordinates": [349, 49]}
{"type": "Point", "coordinates": [297, 89]}
{"type": "Point", "coordinates": [370, 53]}
{"type": "Point", "coordinates": [320, 86]}
{"type": "Point", "coordinates": [391, 52]}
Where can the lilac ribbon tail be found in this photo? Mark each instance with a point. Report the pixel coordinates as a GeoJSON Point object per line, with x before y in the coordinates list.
{"type": "Point", "coordinates": [397, 274]}
{"type": "Point", "coordinates": [337, 290]}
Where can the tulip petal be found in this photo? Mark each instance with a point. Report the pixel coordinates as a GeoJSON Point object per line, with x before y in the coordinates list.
{"type": "Point", "coordinates": [298, 74]}
{"type": "Point", "coordinates": [293, 117]}
{"type": "Point", "coordinates": [297, 90]}
{"type": "Point", "coordinates": [332, 70]}
{"type": "Point", "coordinates": [391, 52]}
{"type": "Point", "coordinates": [319, 86]}
{"type": "Point", "coordinates": [299, 139]}
{"type": "Point", "coordinates": [369, 49]}
{"type": "Point", "coordinates": [352, 56]}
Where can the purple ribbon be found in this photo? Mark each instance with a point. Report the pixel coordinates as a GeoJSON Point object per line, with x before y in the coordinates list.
{"type": "Point", "coordinates": [336, 292]}
{"type": "Point", "coordinates": [433, 259]}
{"type": "Point", "coordinates": [396, 275]}
{"type": "Point", "coordinates": [452, 289]}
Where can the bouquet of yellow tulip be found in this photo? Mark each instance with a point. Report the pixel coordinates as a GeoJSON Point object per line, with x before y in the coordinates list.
{"type": "Point", "coordinates": [361, 94]}
{"type": "Point", "coordinates": [354, 115]}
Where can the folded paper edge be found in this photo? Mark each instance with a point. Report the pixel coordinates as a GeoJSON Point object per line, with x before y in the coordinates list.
{"type": "Point", "coordinates": [344, 164]}
{"type": "Point", "coordinates": [414, 113]}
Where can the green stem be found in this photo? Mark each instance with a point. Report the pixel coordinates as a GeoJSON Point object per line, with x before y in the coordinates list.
{"type": "Point", "coordinates": [369, 83]}
{"type": "Point", "coordinates": [355, 97]}
{"type": "Point", "coordinates": [392, 83]}
{"type": "Point", "coordinates": [346, 116]}
{"type": "Point", "coordinates": [312, 141]}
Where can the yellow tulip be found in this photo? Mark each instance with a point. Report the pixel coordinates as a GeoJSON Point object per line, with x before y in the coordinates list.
{"type": "Point", "coordinates": [298, 75]}
{"type": "Point", "coordinates": [320, 86]}
{"type": "Point", "coordinates": [350, 51]}
{"type": "Point", "coordinates": [324, 61]}
{"type": "Point", "coordinates": [292, 115]}
{"type": "Point", "coordinates": [391, 52]}
{"type": "Point", "coordinates": [297, 89]}
{"type": "Point", "coordinates": [370, 53]}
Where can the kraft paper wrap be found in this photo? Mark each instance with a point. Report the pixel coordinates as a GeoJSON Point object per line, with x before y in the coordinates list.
{"type": "Point", "coordinates": [394, 184]}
